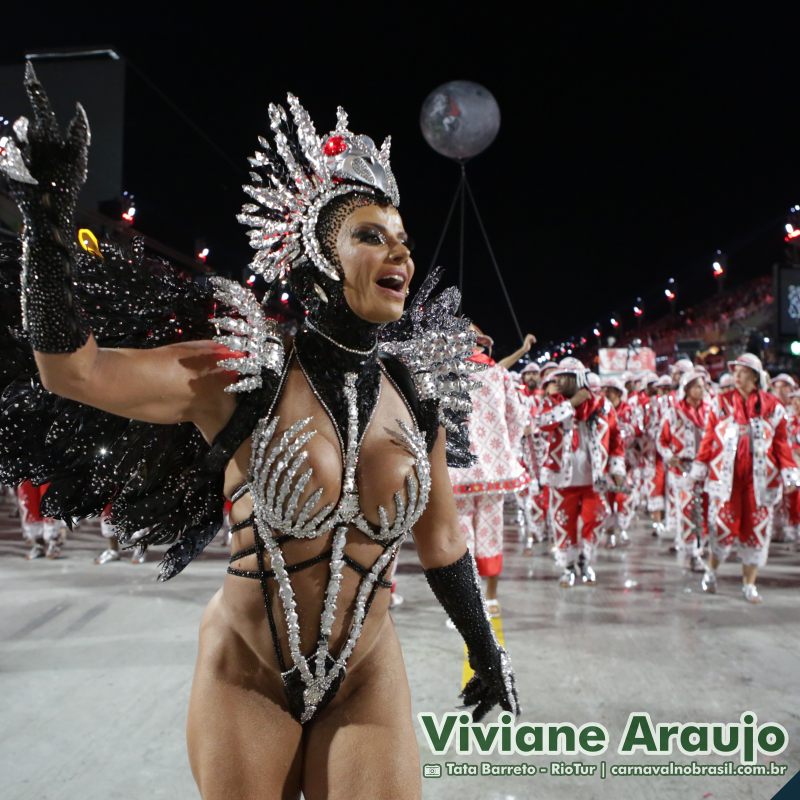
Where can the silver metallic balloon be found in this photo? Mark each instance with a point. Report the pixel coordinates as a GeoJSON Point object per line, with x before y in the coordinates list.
{"type": "Point", "coordinates": [460, 119]}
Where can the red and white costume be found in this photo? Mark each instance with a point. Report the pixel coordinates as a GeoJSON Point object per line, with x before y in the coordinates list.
{"type": "Point", "coordinates": [584, 448]}
{"type": "Point", "coordinates": [496, 425]}
{"type": "Point", "coordinates": [682, 430]}
{"type": "Point", "coordinates": [653, 477]}
{"type": "Point", "coordinates": [622, 505]}
{"type": "Point", "coordinates": [533, 499]}
{"type": "Point", "coordinates": [745, 458]}
{"type": "Point", "coordinates": [786, 518]}
{"type": "Point", "coordinates": [792, 528]}
{"type": "Point", "coordinates": [636, 446]}
{"type": "Point", "coordinates": [36, 528]}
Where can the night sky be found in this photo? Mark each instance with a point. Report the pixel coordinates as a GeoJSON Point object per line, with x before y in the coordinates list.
{"type": "Point", "coordinates": [633, 143]}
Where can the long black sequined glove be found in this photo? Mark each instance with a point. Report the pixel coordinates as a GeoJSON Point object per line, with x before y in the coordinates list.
{"type": "Point", "coordinates": [45, 172]}
{"type": "Point", "coordinates": [457, 588]}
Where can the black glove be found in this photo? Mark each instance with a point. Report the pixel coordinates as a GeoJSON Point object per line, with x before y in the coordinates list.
{"type": "Point", "coordinates": [45, 172]}
{"type": "Point", "coordinates": [457, 588]}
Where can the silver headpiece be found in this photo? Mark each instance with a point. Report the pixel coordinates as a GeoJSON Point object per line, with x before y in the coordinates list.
{"type": "Point", "coordinates": [296, 176]}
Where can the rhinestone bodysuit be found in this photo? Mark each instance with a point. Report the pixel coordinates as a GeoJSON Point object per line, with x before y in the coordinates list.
{"type": "Point", "coordinates": [276, 481]}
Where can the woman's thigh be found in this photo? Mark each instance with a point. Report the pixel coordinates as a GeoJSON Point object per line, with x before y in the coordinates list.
{"type": "Point", "coordinates": [363, 745]}
{"type": "Point", "coordinates": [243, 743]}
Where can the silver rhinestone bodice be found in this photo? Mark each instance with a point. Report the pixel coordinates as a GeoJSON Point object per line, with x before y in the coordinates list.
{"type": "Point", "coordinates": [277, 480]}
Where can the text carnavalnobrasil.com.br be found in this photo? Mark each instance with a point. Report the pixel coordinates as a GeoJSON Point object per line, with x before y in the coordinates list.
{"type": "Point", "coordinates": [602, 770]}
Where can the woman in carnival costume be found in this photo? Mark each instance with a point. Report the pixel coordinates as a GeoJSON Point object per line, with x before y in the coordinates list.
{"type": "Point", "coordinates": [331, 447]}
{"type": "Point", "coordinates": [682, 429]}
{"type": "Point", "coordinates": [496, 426]}
{"type": "Point", "coordinates": [622, 504]}
{"type": "Point", "coordinates": [745, 463]}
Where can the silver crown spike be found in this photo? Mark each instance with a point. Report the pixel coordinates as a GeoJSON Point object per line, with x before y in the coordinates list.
{"type": "Point", "coordinates": [283, 226]}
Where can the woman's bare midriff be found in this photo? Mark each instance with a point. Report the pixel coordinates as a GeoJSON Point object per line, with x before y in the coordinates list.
{"type": "Point", "coordinates": [238, 611]}
{"type": "Point", "coordinates": [235, 624]}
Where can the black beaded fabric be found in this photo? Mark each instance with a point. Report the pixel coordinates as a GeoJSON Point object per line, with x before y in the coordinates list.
{"type": "Point", "coordinates": [325, 363]}
{"type": "Point", "coordinates": [162, 477]}
{"type": "Point", "coordinates": [320, 295]}
{"type": "Point", "coordinates": [57, 163]}
{"type": "Point", "coordinates": [457, 587]}
{"type": "Point", "coordinates": [325, 366]}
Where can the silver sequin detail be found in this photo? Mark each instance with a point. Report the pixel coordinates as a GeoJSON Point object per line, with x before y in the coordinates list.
{"type": "Point", "coordinates": [439, 362]}
{"type": "Point", "coordinates": [418, 485]}
{"type": "Point", "coordinates": [283, 219]}
{"type": "Point", "coordinates": [353, 350]}
{"type": "Point", "coordinates": [12, 164]}
{"type": "Point", "coordinates": [20, 128]}
{"type": "Point", "coordinates": [253, 334]}
{"type": "Point", "coordinates": [276, 483]}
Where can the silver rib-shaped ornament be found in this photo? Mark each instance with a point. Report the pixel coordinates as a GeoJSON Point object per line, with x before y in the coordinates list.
{"type": "Point", "coordinates": [277, 482]}
{"type": "Point", "coordinates": [250, 333]}
{"type": "Point", "coordinates": [418, 485]}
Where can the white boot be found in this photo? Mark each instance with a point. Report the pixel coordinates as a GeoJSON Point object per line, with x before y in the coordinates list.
{"type": "Point", "coordinates": [567, 579]}
{"type": "Point", "coordinates": [709, 582]}
{"type": "Point", "coordinates": [751, 594]}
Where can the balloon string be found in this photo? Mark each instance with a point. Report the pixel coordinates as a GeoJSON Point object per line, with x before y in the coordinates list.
{"type": "Point", "coordinates": [461, 236]}
{"type": "Point", "coordinates": [459, 190]}
{"type": "Point", "coordinates": [466, 185]}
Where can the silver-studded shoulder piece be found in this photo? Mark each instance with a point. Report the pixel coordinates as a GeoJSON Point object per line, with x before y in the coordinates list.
{"type": "Point", "coordinates": [248, 332]}
{"type": "Point", "coordinates": [435, 344]}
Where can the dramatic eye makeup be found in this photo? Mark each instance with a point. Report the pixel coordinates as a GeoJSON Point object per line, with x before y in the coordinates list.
{"type": "Point", "coordinates": [375, 234]}
{"type": "Point", "coordinates": [369, 235]}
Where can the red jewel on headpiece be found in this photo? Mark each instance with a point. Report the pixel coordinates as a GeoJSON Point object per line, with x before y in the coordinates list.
{"type": "Point", "coordinates": [334, 146]}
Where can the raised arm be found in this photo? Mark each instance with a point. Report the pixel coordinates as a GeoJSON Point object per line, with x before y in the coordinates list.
{"type": "Point", "coordinates": [509, 361]}
{"type": "Point", "coordinates": [46, 170]}
{"type": "Point", "coordinates": [451, 574]}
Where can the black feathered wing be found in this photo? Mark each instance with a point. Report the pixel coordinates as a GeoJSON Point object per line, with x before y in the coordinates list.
{"type": "Point", "coordinates": [162, 478]}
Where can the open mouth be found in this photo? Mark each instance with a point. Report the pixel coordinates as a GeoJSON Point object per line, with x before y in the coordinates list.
{"type": "Point", "coordinates": [394, 283]}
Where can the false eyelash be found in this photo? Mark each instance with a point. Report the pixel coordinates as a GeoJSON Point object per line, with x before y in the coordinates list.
{"type": "Point", "coordinates": [369, 236]}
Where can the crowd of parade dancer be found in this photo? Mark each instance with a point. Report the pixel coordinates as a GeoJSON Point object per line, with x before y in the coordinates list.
{"type": "Point", "coordinates": [713, 466]}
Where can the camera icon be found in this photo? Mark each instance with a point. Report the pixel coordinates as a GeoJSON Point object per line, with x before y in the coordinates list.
{"type": "Point", "coordinates": [432, 771]}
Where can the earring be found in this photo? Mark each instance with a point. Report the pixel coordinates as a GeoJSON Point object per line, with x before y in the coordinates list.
{"type": "Point", "coordinates": [407, 291]}
{"type": "Point", "coordinates": [320, 293]}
